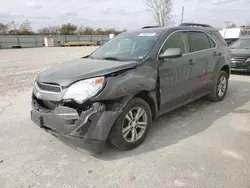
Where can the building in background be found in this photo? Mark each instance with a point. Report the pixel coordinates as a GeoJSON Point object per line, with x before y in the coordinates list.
{"type": "Point", "coordinates": [233, 34]}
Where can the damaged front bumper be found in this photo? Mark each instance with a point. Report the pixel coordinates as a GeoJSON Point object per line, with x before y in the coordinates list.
{"type": "Point", "coordinates": [88, 130]}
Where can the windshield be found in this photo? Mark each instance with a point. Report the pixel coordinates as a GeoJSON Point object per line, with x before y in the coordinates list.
{"type": "Point", "coordinates": [127, 47]}
{"type": "Point", "coordinates": [241, 44]}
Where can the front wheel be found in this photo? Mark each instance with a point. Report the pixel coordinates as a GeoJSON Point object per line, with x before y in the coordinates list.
{"type": "Point", "coordinates": [132, 126]}
{"type": "Point", "coordinates": [220, 87]}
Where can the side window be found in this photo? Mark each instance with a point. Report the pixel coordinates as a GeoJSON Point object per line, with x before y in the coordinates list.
{"type": "Point", "coordinates": [177, 40]}
{"type": "Point", "coordinates": [200, 41]}
{"type": "Point", "coordinates": [211, 42]}
{"type": "Point", "coordinates": [219, 37]}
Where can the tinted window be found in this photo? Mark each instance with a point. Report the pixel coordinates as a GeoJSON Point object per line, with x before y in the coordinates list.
{"type": "Point", "coordinates": [211, 42]}
{"type": "Point", "coordinates": [219, 37]}
{"type": "Point", "coordinates": [177, 40]}
{"type": "Point", "coordinates": [200, 41]}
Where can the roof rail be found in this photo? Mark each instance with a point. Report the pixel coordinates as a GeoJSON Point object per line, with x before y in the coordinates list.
{"type": "Point", "coordinates": [147, 27]}
{"type": "Point", "coordinates": [195, 24]}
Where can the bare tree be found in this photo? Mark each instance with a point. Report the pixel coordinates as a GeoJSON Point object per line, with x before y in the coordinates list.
{"type": "Point", "coordinates": [50, 30]}
{"type": "Point", "coordinates": [3, 29]}
{"type": "Point", "coordinates": [25, 28]}
{"type": "Point", "coordinates": [12, 30]}
{"type": "Point", "coordinates": [85, 31]}
{"type": "Point", "coordinates": [161, 10]}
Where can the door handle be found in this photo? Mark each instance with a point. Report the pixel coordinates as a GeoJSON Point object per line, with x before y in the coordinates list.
{"type": "Point", "coordinates": [191, 62]}
{"type": "Point", "coordinates": [217, 54]}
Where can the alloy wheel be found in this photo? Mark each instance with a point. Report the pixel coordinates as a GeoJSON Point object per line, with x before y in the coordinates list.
{"type": "Point", "coordinates": [134, 124]}
{"type": "Point", "coordinates": [222, 86]}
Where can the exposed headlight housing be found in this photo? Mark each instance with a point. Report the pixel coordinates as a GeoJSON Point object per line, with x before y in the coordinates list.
{"type": "Point", "coordinates": [248, 60]}
{"type": "Point", "coordinates": [85, 89]}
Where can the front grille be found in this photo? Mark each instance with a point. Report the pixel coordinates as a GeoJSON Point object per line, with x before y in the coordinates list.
{"type": "Point", "coordinates": [49, 87]}
{"type": "Point", "coordinates": [235, 60]}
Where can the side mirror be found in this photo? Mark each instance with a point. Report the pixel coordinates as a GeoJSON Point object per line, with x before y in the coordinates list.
{"type": "Point", "coordinates": [171, 53]}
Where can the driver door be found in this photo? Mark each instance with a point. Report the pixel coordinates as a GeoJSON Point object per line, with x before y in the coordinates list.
{"type": "Point", "coordinates": [176, 74]}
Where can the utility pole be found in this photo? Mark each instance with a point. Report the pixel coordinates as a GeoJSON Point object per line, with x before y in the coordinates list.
{"type": "Point", "coordinates": [227, 23]}
{"type": "Point", "coordinates": [182, 14]}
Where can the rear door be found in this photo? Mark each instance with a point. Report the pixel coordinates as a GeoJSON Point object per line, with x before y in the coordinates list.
{"type": "Point", "coordinates": [204, 53]}
{"type": "Point", "coordinates": [175, 74]}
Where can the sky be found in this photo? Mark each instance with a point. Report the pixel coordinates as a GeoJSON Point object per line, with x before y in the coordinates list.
{"type": "Point", "coordinates": [120, 14]}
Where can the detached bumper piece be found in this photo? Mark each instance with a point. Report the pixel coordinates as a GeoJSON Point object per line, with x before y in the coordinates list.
{"type": "Point", "coordinates": [88, 130]}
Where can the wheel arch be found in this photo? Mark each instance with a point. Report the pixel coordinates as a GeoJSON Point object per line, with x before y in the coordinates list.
{"type": "Point", "coordinates": [150, 99]}
{"type": "Point", "coordinates": [148, 96]}
{"type": "Point", "coordinates": [226, 68]}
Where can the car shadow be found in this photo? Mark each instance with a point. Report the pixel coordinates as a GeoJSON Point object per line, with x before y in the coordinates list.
{"type": "Point", "coordinates": [184, 122]}
{"type": "Point", "coordinates": [240, 73]}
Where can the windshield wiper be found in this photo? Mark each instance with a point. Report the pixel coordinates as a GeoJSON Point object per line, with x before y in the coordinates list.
{"type": "Point", "coordinates": [112, 58]}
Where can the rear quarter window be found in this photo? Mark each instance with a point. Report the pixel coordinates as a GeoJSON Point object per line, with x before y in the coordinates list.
{"type": "Point", "coordinates": [211, 42]}
{"type": "Point", "coordinates": [218, 37]}
{"type": "Point", "coordinates": [200, 41]}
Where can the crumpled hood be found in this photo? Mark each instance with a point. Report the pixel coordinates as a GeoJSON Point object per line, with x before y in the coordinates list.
{"type": "Point", "coordinates": [66, 73]}
{"type": "Point", "coordinates": [240, 52]}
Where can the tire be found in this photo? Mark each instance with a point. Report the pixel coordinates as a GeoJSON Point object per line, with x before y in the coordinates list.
{"type": "Point", "coordinates": [215, 95]}
{"type": "Point", "coordinates": [117, 136]}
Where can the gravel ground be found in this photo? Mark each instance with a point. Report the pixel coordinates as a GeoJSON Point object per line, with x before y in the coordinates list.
{"type": "Point", "coordinates": [19, 67]}
{"type": "Point", "coordinates": [202, 144]}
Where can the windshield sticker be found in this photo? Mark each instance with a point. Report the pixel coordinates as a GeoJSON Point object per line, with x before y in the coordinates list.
{"type": "Point", "coordinates": [147, 34]}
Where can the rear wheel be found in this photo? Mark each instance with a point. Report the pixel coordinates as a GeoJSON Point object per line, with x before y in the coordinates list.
{"type": "Point", "coordinates": [132, 126]}
{"type": "Point", "coordinates": [220, 88]}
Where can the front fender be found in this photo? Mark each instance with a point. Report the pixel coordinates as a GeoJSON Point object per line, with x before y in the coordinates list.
{"type": "Point", "coordinates": [120, 88]}
{"type": "Point", "coordinates": [128, 83]}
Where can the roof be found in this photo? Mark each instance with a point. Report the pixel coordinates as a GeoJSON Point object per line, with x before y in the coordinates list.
{"type": "Point", "coordinates": [157, 30]}
{"type": "Point", "coordinates": [162, 29]}
{"type": "Point", "coordinates": [195, 24]}
{"type": "Point", "coordinates": [196, 28]}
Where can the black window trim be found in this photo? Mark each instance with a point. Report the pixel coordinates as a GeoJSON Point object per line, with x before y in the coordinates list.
{"type": "Point", "coordinates": [191, 47]}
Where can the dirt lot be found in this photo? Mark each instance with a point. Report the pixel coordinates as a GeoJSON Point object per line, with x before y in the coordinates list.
{"type": "Point", "coordinates": [203, 144]}
{"type": "Point", "coordinates": [19, 67]}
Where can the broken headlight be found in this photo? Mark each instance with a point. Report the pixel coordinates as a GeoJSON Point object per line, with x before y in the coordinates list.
{"type": "Point", "coordinates": [85, 89]}
{"type": "Point", "coordinates": [248, 60]}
